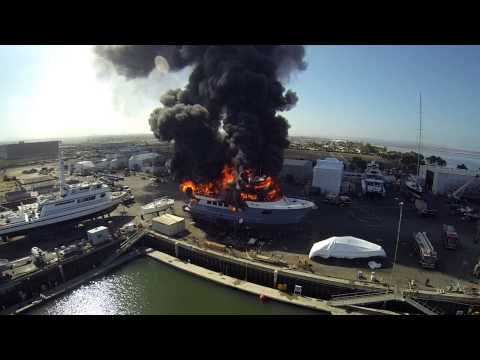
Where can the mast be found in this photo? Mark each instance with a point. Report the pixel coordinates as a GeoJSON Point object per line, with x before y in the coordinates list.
{"type": "Point", "coordinates": [61, 173]}
{"type": "Point", "coordinates": [419, 140]}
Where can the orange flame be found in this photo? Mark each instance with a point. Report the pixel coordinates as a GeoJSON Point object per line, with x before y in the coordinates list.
{"type": "Point", "coordinates": [271, 191]}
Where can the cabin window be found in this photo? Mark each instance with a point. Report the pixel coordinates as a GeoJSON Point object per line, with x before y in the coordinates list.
{"type": "Point", "coordinates": [266, 212]}
{"type": "Point", "coordinates": [209, 202]}
{"type": "Point", "coordinates": [64, 202]}
{"type": "Point", "coordinates": [89, 198]}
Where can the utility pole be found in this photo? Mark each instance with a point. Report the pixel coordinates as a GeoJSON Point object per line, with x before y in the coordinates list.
{"type": "Point", "coordinates": [419, 139]}
{"type": "Point", "coordinates": [398, 239]}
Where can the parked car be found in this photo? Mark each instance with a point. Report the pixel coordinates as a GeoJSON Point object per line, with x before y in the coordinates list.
{"type": "Point", "coordinates": [338, 200]}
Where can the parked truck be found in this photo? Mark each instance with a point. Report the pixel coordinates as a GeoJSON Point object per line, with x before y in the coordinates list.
{"type": "Point", "coordinates": [428, 257]}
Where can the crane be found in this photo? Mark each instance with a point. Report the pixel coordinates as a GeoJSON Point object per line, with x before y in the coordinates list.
{"type": "Point", "coordinates": [457, 193]}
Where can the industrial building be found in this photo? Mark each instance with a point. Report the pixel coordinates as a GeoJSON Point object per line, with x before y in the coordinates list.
{"type": "Point", "coordinates": [143, 162]}
{"type": "Point", "coordinates": [300, 170]}
{"type": "Point", "coordinates": [84, 168]}
{"type": "Point", "coordinates": [40, 184]}
{"type": "Point", "coordinates": [443, 181]}
{"type": "Point", "coordinates": [119, 162]}
{"type": "Point", "coordinates": [327, 175]}
{"type": "Point", "coordinates": [17, 195]}
{"type": "Point", "coordinates": [30, 150]}
{"type": "Point", "coordinates": [103, 164]}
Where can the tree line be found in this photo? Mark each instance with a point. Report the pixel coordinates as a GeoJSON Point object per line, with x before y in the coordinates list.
{"type": "Point", "coordinates": [407, 160]}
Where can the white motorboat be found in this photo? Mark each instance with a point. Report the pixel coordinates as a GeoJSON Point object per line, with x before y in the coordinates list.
{"type": "Point", "coordinates": [158, 205]}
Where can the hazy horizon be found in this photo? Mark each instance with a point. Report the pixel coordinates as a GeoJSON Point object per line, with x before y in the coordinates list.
{"type": "Point", "coordinates": [379, 142]}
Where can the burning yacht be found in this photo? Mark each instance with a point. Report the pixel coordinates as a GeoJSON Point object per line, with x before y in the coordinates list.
{"type": "Point", "coordinates": [246, 200]}
{"type": "Point", "coordinates": [72, 203]}
{"type": "Point", "coordinates": [230, 112]}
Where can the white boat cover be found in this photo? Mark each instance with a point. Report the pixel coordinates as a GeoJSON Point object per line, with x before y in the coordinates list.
{"type": "Point", "coordinates": [346, 247]}
{"type": "Point", "coordinates": [374, 265]}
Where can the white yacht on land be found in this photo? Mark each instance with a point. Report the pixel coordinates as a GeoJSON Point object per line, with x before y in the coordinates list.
{"type": "Point", "coordinates": [284, 211]}
{"type": "Point", "coordinates": [72, 203]}
{"type": "Point", "coordinates": [373, 181]}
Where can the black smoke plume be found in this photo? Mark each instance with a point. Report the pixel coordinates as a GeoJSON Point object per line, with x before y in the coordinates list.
{"type": "Point", "coordinates": [234, 88]}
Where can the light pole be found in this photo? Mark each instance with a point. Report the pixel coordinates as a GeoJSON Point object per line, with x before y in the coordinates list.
{"type": "Point", "coordinates": [398, 238]}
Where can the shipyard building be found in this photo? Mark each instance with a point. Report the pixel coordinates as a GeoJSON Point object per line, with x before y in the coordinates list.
{"type": "Point", "coordinates": [442, 181]}
{"type": "Point", "coordinates": [41, 184]}
{"type": "Point", "coordinates": [143, 162]}
{"type": "Point", "coordinates": [30, 150]}
{"type": "Point", "coordinates": [300, 171]}
{"type": "Point", "coordinates": [328, 175]}
{"type": "Point", "coordinates": [84, 168]}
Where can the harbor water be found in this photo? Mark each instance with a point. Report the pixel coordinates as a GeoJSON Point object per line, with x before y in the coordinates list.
{"type": "Point", "coordinates": [471, 159]}
{"type": "Point", "coordinates": [146, 287]}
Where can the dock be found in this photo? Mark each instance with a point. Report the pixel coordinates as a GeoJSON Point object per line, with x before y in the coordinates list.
{"type": "Point", "coordinates": [123, 254]}
{"type": "Point", "coordinates": [329, 294]}
{"type": "Point", "coordinates": [255, 289]}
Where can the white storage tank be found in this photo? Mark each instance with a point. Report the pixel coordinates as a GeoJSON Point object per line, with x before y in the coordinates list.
{"type": "Point", "coordinates": [99, 235]}
{"type": "Point", "coordinates": [168, 224]}
{"type": "Point", "coordinates": [327, 175]}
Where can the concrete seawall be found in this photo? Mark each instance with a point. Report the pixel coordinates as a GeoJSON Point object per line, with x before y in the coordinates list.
{"type": "Point", "coordinates": [246, 286]}
{"type": "Point", "coordinates": [314, 286]}
{"type": "Point", "coordinates": [253, 277]}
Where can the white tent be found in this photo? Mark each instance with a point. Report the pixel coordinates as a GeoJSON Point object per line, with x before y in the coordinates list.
{"type": "Point", "coordinates": [346, 247]}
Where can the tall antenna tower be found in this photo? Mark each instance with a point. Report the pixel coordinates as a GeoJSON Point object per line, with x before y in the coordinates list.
{"type": "Point", "coordinates": [419, 139]}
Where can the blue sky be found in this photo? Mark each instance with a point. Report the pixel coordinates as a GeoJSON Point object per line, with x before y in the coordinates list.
{"type": "Point", "coordinates": [347, 91]}
{"type": "Point", "coordinates": [372, 91]}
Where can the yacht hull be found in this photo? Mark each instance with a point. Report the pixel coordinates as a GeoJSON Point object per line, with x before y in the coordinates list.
{"type": "Point", "coordinates": [249, 216]}
{"type": "Point", "coordinates": [41, 224]}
